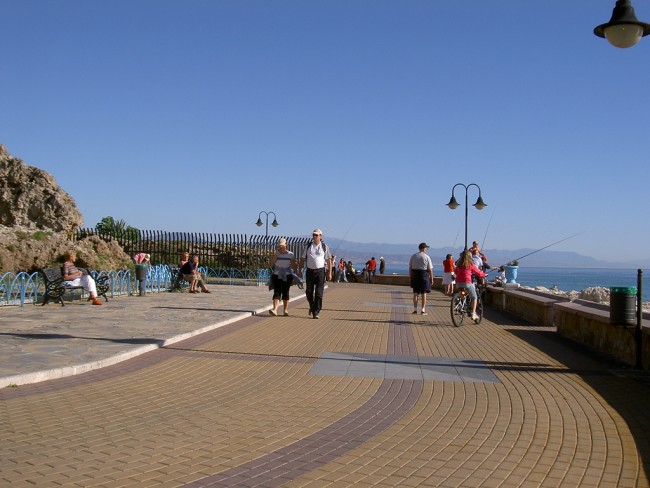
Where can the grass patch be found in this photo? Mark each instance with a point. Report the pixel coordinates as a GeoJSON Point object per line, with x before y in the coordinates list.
{"type": "Point", "coordinates": [41, 235]}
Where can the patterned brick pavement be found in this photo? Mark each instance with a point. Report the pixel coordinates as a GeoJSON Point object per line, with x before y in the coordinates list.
{"type": "Point", "coordinates": [245, 405]}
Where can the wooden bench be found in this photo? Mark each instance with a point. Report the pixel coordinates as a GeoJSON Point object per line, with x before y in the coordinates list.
{"type": "Point", "coordinates": [55, 287]}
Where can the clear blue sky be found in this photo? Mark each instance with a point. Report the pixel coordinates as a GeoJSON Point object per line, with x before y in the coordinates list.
{"type": "Point", "coordinates": [357, 117]}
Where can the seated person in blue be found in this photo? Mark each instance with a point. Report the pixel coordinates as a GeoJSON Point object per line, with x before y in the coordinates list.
{"type": "Point", "coordinates": [191, 274]}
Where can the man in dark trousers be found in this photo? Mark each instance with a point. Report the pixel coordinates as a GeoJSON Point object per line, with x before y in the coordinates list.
{"type": "Point", "coordinates": [318, 259]}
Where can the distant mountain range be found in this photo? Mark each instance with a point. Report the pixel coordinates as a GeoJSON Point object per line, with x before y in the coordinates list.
{"type": "Point", "coordinates": [399, 254]}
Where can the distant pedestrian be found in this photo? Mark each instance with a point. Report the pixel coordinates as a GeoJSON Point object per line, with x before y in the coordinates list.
{"type": "Point", "coordinates": [371, 267]}
{"type": "Point", "coordinates": [318, 261]}
{"type": "Point", "coordinates": [342, 275]}
{"type": "Point", "coordinates": [283, 262]}
{"type": "Point", "coordinates": [448, 278]}
{"type": "Point", "coordinates": [382, 265]}
{"type": "Point", "coordinates": [421, 274]}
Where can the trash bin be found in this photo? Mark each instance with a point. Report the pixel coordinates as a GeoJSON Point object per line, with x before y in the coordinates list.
{"type": "Point", "coordinates": [622, 305]}
{"type": "Point", "coordinates": [141, 276]}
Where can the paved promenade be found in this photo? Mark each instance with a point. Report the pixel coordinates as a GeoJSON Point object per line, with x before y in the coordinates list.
{"type": "Point", "coordinates": [209, 390]}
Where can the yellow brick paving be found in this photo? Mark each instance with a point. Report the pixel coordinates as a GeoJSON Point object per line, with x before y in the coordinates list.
{"type": "Point", "coordinates": [187, 414]}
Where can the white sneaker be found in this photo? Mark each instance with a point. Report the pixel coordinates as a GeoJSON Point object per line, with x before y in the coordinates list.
{"type": "Point", "coordinates": [475, 318]}
{"type": "Point", "coordinates": [424, 312]}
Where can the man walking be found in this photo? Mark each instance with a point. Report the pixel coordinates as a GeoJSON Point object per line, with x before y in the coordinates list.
{"type": "Point", "coordinates": [421, 273]}
{"type": "Point", "coordinates": [318, 260]}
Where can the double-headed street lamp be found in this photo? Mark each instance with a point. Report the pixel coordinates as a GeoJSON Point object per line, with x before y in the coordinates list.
{"type": "Point", "coordinates": [623, 29]}
{"type": "Point", "coordinates": [480, 204]}
{"type": "Point", "coordinates": [259, 221]}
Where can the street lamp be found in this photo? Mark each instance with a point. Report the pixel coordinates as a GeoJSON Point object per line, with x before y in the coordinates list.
{"type": "Point", "coordinates": [480, 204]}
{"type": "Point", "coordinates": [623, 29]}
{"type": "Point", "coordinates": [259, 221]}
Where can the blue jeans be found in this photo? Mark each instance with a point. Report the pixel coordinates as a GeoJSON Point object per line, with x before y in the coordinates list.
{"type": "Point", "coordinates": [314, 290]}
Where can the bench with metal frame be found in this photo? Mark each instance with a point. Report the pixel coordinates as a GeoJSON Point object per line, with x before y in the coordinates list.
{"type": "Point", "coordinates": [55, 287]}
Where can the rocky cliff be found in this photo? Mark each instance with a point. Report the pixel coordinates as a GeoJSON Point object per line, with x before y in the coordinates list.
{"type": "Point", "coordinates": [31, 198]}
{"type": "Point", "coordinates": [38, 220]}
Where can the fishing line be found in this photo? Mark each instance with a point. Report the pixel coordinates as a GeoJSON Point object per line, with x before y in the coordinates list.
{"type": "Point", "coordinates": [486, 230]}
{"type": "Point", "coordinates": [344, 236]}
{"type": "Point", "coordinates": [545, 247]}
{"type": "Point", "coordinates": [455, 240]}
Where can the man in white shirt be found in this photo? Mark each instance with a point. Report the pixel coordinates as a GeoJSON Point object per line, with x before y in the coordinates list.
{"type": "Point", "coordinates": [421, 273]}
{"type": "Point", "coordinates": [318, 260]}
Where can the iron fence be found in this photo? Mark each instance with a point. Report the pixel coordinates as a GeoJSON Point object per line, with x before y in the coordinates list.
{"type": "Point", "coordinates": [216, 251]}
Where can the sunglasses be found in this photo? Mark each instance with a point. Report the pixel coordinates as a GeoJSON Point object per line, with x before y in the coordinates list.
{"type": "Point", "coordinates": [315, 235]}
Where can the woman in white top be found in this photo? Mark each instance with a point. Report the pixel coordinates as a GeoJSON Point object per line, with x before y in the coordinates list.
{"type": "Point", "coordinates": [284, 262]}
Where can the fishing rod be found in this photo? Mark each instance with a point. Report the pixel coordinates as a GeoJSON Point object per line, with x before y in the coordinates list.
{"type": "Point", "coordinates": [545, 247]}
{"type": "Point", "coordinates": [455, 240]}
{"type": "Point", "coordinates": [344, 236]}
{"type": "Point", "coordinates": [486, 230]}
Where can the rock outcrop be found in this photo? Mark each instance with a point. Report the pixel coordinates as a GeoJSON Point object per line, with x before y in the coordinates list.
{"type": "Point", "coordinates": [31, 198]}
{"type": "Point", "coordinates": [38, 223]}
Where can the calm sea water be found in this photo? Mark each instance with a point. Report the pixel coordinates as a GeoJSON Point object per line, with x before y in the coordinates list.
{"type": "Point", "coordinates": [566, 279]}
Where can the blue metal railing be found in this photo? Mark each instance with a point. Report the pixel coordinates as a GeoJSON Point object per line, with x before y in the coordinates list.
{"type": "Point", "coordinates": [22, 288]}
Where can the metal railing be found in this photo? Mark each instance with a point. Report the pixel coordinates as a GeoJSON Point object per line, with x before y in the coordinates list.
{"type": "Point", "coordinates": [28, 288]}
{"type": "Point", "coordinates": [219, 251]}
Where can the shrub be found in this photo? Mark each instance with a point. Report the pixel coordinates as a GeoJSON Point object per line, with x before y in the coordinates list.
{"type": "Point", "coordinates": [41, 235]}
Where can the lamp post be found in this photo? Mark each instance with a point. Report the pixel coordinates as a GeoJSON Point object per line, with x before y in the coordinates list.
{"type": "Point", "coordinates": [480, 204]}
{"type": "Point", "coordinates": [623, 29]}
{"type": "Point", "coordinates": [259, 221]}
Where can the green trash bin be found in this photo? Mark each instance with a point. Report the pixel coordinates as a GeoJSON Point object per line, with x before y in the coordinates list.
{"type": "Point", "coordinates": [622, 305]}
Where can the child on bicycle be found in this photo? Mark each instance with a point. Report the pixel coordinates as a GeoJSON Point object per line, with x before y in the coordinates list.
{"type": "Point", "coordinates": [465, 267]}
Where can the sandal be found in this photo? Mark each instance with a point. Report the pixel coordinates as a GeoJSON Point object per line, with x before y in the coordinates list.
{"type": "Point", "coordinates": [273, 312]}
{"type": "Point", "coordinates": [206, 291]}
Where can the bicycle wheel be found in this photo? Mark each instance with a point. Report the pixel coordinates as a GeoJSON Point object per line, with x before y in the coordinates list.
{"type": "Point", "coordinates": [479, 309]}
{"type": "Point", "coordinates": [458, 308]}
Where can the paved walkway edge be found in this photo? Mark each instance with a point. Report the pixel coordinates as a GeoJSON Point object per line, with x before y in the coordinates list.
{"type": "Point", "coordinates": [38, 376]}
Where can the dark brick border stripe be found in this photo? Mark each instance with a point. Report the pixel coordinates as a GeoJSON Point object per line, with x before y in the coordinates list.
{"type": "Point", "coordinates": [400, 335]}
{"type": "Point", "coordinates": [391, 401]}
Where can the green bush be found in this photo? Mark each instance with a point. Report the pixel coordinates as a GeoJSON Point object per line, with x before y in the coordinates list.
{"type": "Point", "coordinates": [41, 235]}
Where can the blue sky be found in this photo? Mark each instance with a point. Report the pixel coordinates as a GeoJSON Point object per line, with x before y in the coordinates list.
{"type": "Point", "coordinates": [357, 117]}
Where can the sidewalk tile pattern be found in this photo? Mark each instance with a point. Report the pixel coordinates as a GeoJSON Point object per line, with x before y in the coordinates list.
{"type": "Point", "coordinates": [240, 405]}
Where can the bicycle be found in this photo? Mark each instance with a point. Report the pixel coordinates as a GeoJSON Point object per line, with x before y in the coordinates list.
{"type": "Point", "coordinates": [461, 305]}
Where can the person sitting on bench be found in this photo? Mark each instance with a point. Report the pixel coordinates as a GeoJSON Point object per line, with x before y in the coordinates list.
{"type": "Point", "coordinates": [191, 274]}
{"type": "Point", "coordinates": [73, 277]}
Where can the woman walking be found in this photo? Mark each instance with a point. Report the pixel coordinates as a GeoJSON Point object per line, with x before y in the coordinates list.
{"type": "Point", "coordinates": [284, 262]}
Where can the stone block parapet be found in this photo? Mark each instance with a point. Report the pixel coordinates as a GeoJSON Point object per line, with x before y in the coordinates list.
{"type": "Point", "coordinates": [582, 321]}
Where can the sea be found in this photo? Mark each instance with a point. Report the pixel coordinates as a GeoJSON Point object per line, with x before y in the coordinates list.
{"type": "Point", "coordinates": [566, 279]}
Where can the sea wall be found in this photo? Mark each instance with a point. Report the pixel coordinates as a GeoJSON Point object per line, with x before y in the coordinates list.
{"type": "Point", "coordinates": [581, 321]}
